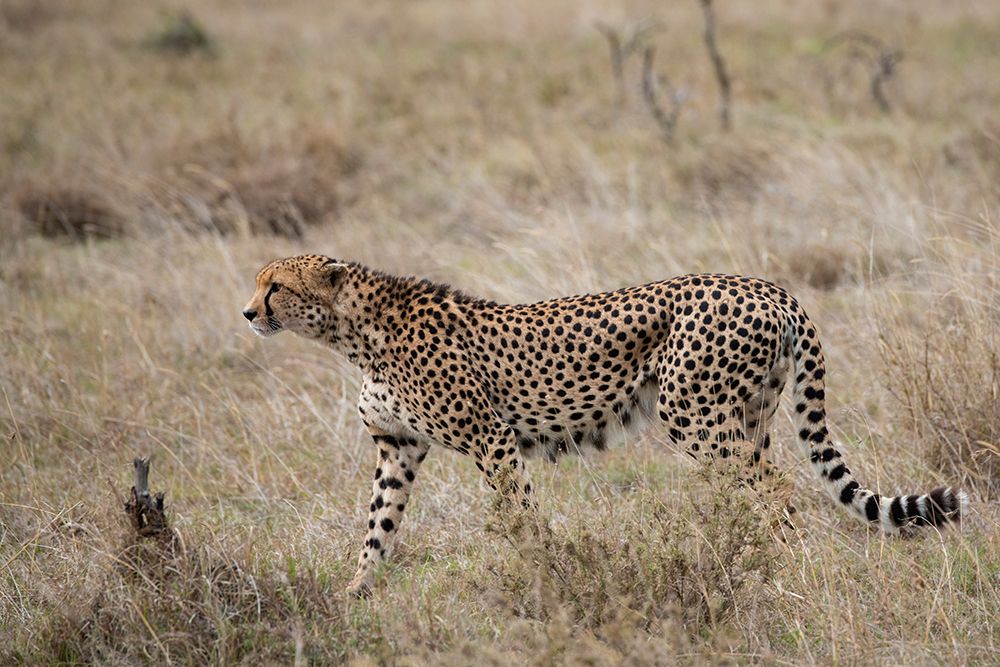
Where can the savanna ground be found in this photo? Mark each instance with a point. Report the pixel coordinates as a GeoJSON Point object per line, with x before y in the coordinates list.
{"type": "Point", "coordinates": [145, 177]}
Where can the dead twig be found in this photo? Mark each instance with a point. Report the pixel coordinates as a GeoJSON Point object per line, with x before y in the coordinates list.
{"type": "Point", "coordinates": [884, 61]}
{"type": "Point", "coordinates": [621, 45]}
{"type": "Point", "coordinates": [718, 64]}
{"type": "Point", "coordinates": [885, 69]}
{"type": "Point", "coordinates": [145, 510]}
{"type": "Point", "coordinates": [667, 121]}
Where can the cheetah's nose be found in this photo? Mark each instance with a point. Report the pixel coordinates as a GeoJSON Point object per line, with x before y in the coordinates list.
{"type": "Point", "coordinates": [249, 314]}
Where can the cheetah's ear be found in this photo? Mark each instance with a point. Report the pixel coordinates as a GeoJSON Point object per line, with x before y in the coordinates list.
{"type": "Point", "coordinates": [330, 269]}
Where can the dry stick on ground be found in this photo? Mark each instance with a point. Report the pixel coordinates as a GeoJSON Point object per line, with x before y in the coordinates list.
{"type": "Point", "coordinates": [666, 120]}
{"type": "Point", "coordinates": [718, 64]}
{"type": "Point", "coordinates": [145, 510]}
{"type": "Point", "coordinates": [885, 68]}
{"type": "Point", "coordinates": [885, 61]}
{"type": "Point", "coordinates": [620, 49]}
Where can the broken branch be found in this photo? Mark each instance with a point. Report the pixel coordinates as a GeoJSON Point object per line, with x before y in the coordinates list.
{"type": "Point", "coordinates": [145, 510]}
{"type": "Point", "coordinates": [884, 62]}
{"type": "Point", "coordinates": [667, 121]}
{"type": "Point", "coordinates": [620, 47]}
{"type": "Point", "coordinates": [718, 64]}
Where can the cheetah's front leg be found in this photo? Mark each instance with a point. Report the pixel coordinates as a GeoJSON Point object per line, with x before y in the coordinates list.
{"type": "Point", "coordinates": [399, 459]}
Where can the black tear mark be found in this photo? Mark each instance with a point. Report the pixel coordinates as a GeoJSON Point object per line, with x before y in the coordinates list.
{"type": "Point", "coordinates": [267, 299]}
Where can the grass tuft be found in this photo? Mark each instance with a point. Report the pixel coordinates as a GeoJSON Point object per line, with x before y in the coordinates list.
{"type": "Point", "coordinates": [943, 365]}
{"type": "Point", "coordinates": [70, 212]}
{"type": "Point", "coordinates": [698, 568]}
{"type": "Point", "coordinates": [181, 34]}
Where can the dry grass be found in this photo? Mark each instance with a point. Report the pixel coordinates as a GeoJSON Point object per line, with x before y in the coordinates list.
{"type": "Point", "coordinates": [944, 366]}
{"type": "Point", "coordinates": [481, 144]}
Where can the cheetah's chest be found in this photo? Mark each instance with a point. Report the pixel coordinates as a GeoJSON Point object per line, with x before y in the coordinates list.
{"type": "Point", "coordinates": [379, 406]}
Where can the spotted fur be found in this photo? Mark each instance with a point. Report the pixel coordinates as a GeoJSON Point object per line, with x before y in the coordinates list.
{"type": "Point", "coordinates": [705, 355]}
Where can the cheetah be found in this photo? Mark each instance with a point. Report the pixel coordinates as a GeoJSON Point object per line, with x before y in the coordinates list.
{"type": "Point", "coordinates": [706, 355]}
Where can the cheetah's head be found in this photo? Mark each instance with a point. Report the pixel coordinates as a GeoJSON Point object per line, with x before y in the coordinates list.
{"type": "Point", "coordinates": [295, 294]}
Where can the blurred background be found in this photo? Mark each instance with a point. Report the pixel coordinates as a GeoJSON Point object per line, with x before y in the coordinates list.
{"type": "Point", "coordinates": [153, 156]}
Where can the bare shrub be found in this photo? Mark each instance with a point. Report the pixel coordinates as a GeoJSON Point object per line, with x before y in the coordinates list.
{"type": "Point", "coordinates": [181, 34]}
{"type": "Point", "coordinates": [621, 45]}
{"type": "Point", "coordinates": [819, 264]}
{"type": "Point", "coordinates": [666, 120]}
{"type": "Point", "coordinates": [26, 16]}
{"type": "Point", "coordinates": [225, 186]}
{"type": "Point", "coordinates": [718, 64]}
{"type": "Point", "coordinates": [76, 213]}
{"type": "Point", "coordinates": [881, 59]}
{"type": "Point", "coordinates": [282, 201]}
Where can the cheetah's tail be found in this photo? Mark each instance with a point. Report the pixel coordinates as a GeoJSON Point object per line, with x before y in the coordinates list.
{"type": "Point", "coordinates": [891, 513]}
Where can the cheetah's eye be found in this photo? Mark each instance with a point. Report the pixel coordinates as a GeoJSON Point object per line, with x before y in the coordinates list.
{"type": "Point", "coordinates": [274, 287]}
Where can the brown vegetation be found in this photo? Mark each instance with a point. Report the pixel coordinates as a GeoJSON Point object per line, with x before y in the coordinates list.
{"type": "Point", "coordinates": [75, 213]}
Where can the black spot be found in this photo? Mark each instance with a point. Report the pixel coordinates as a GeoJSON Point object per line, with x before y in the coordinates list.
{"type": "Point", "coordinates": [838, 472]}
{"type": "Point", "coordinates": [387, 524]}
{"type": "Point", "coordinates": [847, 493]}
{"type": "Point", "coordinates": [938, 507]}
{"type": "Point", "coordinates": [871, 508]}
